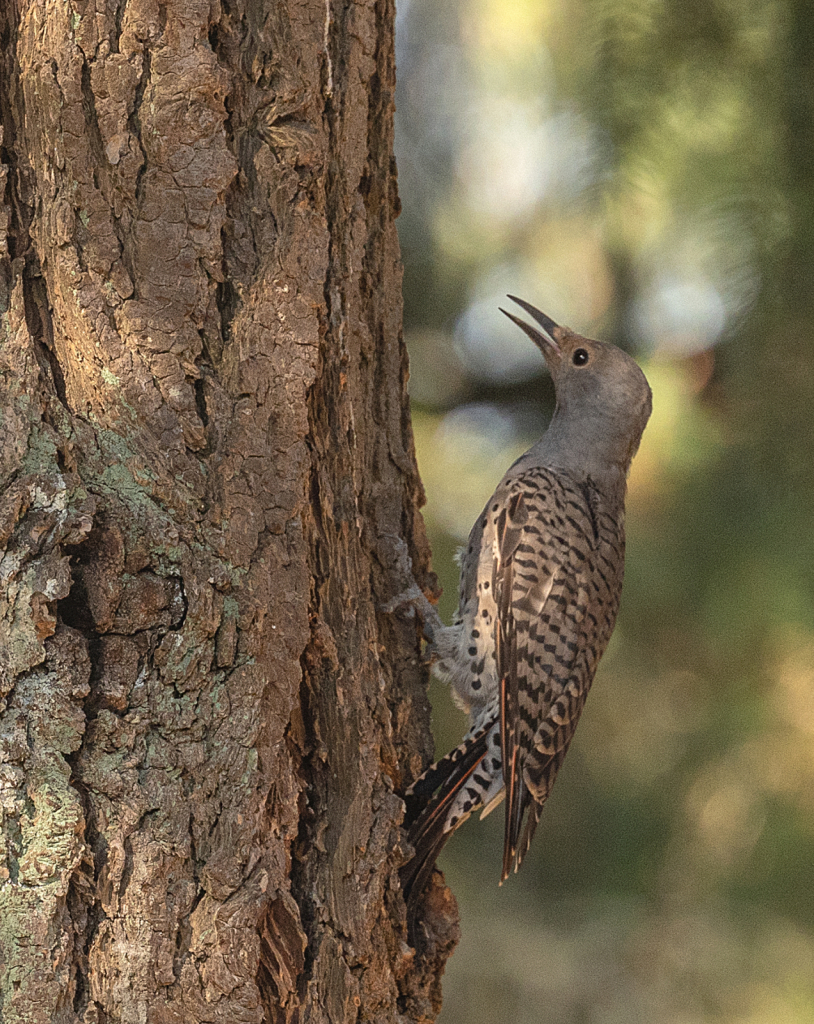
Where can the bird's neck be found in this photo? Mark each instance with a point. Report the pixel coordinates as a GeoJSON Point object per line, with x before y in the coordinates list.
{"type": "Point", "coordinates": [587, 451]}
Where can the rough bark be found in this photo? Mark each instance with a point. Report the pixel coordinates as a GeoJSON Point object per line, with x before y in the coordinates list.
{"type": "Point", "coordinates": [206, 471]}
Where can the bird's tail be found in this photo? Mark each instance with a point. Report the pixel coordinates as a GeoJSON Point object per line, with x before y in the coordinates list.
{"type": "Point", "coordinates": [433, 813]}
{"type": "Point", "coordinates": [522, 817]}
{"type": "Point", "coordinates": [539, 775]}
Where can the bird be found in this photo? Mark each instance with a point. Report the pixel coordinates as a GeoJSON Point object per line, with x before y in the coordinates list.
{"type": "Point", "coordinates": [540, 585]}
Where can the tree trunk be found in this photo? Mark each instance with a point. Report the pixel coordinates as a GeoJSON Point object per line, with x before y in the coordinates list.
{"type": "Point", "coordinates": [207, 476]}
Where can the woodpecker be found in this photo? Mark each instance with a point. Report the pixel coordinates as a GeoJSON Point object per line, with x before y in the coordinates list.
{"type": "Point", "coordinates": [541, 580]}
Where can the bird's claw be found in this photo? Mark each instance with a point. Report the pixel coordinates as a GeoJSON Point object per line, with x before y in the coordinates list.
{"type": "Point", "coordinates": [414, 599]}
{"type": "Point", "coordinates": [406, 599]}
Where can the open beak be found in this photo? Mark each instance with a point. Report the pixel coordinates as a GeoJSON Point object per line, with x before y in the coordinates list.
{"type": "Point", "coordinates": [544, 341]}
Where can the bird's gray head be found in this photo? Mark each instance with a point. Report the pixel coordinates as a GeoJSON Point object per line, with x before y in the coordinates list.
{"type": "Point", "coordinates": [603, 398]}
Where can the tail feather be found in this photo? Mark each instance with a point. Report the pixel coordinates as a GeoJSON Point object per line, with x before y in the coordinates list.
{"type": "Point", "coordinates": [516, 807]}
{"type": "Point", "coordinates": [429, 801]}
{"type": "Point", "coordinates": [535, 810]}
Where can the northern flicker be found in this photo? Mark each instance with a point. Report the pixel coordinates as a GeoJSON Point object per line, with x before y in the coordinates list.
{"type": "Point", "coordinates": [541, 579]}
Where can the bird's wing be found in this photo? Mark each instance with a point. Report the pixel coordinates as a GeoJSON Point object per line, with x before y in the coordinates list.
{"type": "Point", "coordinates": [540, 587]}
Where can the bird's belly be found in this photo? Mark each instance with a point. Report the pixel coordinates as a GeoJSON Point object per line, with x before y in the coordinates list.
{"type": "Point", "coordinates": [469, 662]}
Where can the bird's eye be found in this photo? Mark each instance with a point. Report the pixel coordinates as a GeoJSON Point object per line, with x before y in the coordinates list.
{"type": "Point", "coordinates": [580, 357]}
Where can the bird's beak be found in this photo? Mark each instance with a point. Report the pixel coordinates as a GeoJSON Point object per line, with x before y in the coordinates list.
{"type": "Point", "coordinates": [545, 342]}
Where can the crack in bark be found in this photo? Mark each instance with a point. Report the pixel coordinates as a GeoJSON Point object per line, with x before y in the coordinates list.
{"type": "Point", "coordinates": [116, 30]}
{"type": "Point", "coordinates": [41, 328]}
{"type": "Point", "coordinates": [134, 126]}
{"type": "Point", "coordinates": [97, 146]}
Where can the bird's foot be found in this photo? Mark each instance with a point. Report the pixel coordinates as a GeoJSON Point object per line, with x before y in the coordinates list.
{"type": "Point", "coordinates": [414, 599]}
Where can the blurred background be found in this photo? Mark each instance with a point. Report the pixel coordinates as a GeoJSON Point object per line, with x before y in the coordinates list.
{"type": "Point", "coordinates": [642, 171]}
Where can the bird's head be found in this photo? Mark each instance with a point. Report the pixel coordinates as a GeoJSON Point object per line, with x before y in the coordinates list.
{"type": "Point", "coordinates": [603, 398]}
